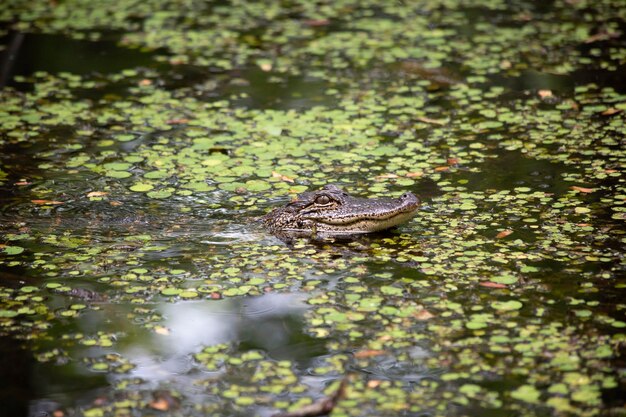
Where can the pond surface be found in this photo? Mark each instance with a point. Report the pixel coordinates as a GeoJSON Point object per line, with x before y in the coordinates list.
{"type": "Point", "coordinates": [141, 142]}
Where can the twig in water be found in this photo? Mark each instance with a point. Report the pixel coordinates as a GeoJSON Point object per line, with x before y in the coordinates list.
{"type": "Point", "coordinates": [320, 407]}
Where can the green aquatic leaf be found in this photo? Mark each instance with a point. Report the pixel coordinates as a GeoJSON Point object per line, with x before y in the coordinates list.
{"type": "Point", "coordinates": [12, 250]}
{"type": "Point", "coordinates": [526, 393]}
{"type": "Point", "coordinates": [117, 166]}
{"type": "Point", "coordinates": [257, 185]}
{"type": "Point", "coordinates": [118, 174]}
{"type": "Point", "coordinates": [141, 187]}
{"type": "Point", "coordinates": [389, 290]}
{"type": "Point", "coordinates": [155, 175]}
{"type": "Point", "coordinates": [506, 279]}
{"type": "Point", "coordinates": [507, 305]}
{"type": "Point", "coordinates": [8, 313]}
{"type": "Point", "coordinates": [125, 138]}
{"type": "Point", "coordinates": [171, 291]}
{"type": "Point", "coordinates": [159, 194]}
{"type": "Point", "coordinates": [188, 294]}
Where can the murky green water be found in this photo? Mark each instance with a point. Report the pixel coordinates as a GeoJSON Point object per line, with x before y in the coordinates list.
{"type": "Point", "coordinates": [141, 141]}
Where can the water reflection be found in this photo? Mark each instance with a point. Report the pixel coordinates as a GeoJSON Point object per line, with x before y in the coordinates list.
{"type": "Point", "coordinates": [535, 80]}
{"type": "Point", "coordinates": [512, 168]}
{"type": "Point", "coordinates": [271, 322]}
{"type": "Point", "coordinates": [57, 53]}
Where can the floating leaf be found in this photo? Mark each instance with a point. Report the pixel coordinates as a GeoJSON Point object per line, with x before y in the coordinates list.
{"type": "Point", "coordinates": [46, 202]}
{"type": "Point", "coordinates": [504, 234]}
{"type": "Point", "coordinates": [582, 189]}
{"type": "Point", "coordinates": [141, 187]}
{"type": "Point", "coordinates": [170, 291]}
{"type": "Point", "coordinates": [526, 393]}
{"type": "Point", "coordinates": [12, 250]}
{"type": "Point", "coordinates": [507, 305]}
{"type": "Point", "coordinates": [97, 194]}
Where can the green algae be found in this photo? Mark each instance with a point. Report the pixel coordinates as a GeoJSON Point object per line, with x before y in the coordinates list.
{"type": "Point", "coordinates": [414, 315]}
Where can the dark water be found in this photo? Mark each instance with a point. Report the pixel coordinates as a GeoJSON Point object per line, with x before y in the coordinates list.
{"type": "Point", "coordinates": [31, 52]}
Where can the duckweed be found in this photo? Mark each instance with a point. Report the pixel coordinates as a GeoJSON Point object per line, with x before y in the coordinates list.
{"type": "Point", "coordinates": [129, 194]}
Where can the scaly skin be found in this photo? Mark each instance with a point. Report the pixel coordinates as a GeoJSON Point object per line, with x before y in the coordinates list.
{"type": "Point", "coordinates": [333, 211]}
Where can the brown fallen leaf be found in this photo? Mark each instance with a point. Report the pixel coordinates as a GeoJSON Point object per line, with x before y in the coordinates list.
{"type": "Point", "coordinates": [611, 111]}
{"type": "Point", "coordinates": [115, 203]}
{"type": "Point", "coordinates": [384, 176]}
{"type": "Point", "coordinates": [439, 169]}
{"type": "Point", "coordinates": [432, 121]}
{"type": "Point", "coordinates": [452, 161]}
{"type": "Point", "coordinates": [281, 176]}
{"type": "Point", "coordinates": [385, 338]}
{"type": "Point", "coordinates": [97, 194]}
{"type": "Point", "coordinates": [46, 202]}
{"type": "Point", "coordinates": [504, 234]}
{"type": "Point", "coordinates": [602, 36]}
{"type": "Point", "coordinates": [582, 189]}
{"type": "Point", "coordinates": [368, 353]}
{"type": "Point", "coordinates": [23, 182]}
{"type": "Point", "coordinates": [178, 121]}
{"type": "Point", "coordinates": [100, 401]}
{"type": "Point", "coordinates": [164, 401]}
{"type": "Point", "coordinates": [414, 174]}
{"type": "Point", "coordinates": [490, 284]}
{"type": "Point", "coordinates": [544, 93]}
{"type": "Point", "coordinates": [374, 383]}
{"type": "Point", "coordinates": [160, 405]}
{"type": "Point", "coordinates": [316, 22]}
{"type": "Point", "coordinates": [423, 315]}
{"type": "Point", "coordinates": [320, 407]}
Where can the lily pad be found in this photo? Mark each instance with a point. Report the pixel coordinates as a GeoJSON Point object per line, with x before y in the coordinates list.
{"type": "Point", "coordinates": [141, 187]}
{"type": "Point", "coordinates": [507, 305]}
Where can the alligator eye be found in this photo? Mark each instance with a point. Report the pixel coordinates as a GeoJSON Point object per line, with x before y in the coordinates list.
{"type": "Point", "coordinates": [323, 199]}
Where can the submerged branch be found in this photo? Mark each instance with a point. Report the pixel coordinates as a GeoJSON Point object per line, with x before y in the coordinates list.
{"type": "Point", "coordinates": [320, 407]}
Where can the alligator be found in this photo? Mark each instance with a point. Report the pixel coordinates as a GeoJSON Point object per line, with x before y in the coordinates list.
{"type": "Point", "coordinates": [331, 211]}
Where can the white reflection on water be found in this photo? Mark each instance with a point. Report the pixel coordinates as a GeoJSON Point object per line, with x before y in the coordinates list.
{"type": "Point", "coordinates": [195, 324]}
